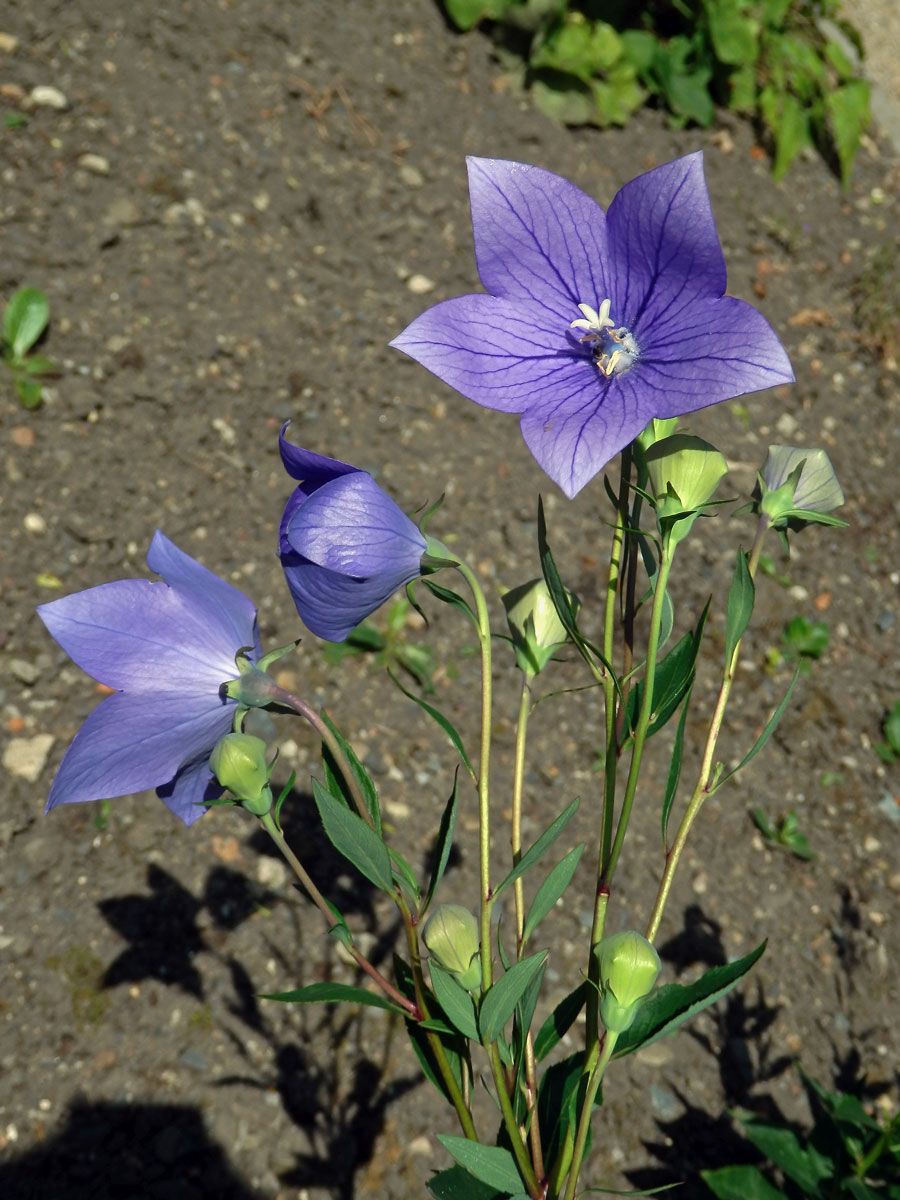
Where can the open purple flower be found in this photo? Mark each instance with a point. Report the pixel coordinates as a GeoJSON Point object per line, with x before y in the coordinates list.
{"type": "Point", "coordinates": [595, 323]}
{"type": "Point", "coordinates": [344, 544]}
{"type": "Point", "coordinates": [167, 648]}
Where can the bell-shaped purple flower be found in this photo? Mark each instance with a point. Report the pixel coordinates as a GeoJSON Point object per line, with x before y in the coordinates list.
{"type": "Point", "coordinates": [344, 544]}
{"type": "Point", "coordinates": [595, 322]}
{"type": "Point", "coordinates": [166, 648]}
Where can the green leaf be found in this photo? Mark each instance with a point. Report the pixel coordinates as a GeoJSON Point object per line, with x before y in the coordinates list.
{"type": "Point", "coordinates": [323, 993]}
{"type": "Point", "coordinates": [559, 1022]}
{"type": "Point", "coordinates": [457, 1184]}
{"type": "Point", "coordinates": [501, 999]}
{"type": "Point", "coordinates": [24, 320]}
{"type": "Point", "coordinates": [741, 595]}
{"type": "Point", "coordinates": [465, 14]}
{"type": "Point", "coordinates": [38, 364]}
{"type": "Point", "coordinates": [763, 737]}
{"type": "Point", "coordinates": [443, 845]}
{"type": "Point", "coordinates": [847, 109]}
{"type": "Point", "coordinates": [490, 1164]}
{"type": "Point", "coordinates": [675, 762]}
{"type": "Point", "coordinates": [452, 598]}
{"type": "Point", "coordinates": [676, 1003]}
{"type": "Point", "coordinates": [438, 717]}
{"type": "Point", "coordinates": [29, 392]}
{"type": "Point", "coordinates": [405, 876]}
{"type": "Point", "coordinates": [790, 128]}
{"type": "Point", "coordinates": [334, 777]}
{"type": "Point", "coordinates": [741, 1183]}
{"type": "Point", "coordinates": [735, 37]}
{"type": "Point", "coordinates": [782, 1147]}
{"type": "Point", "coordinates": [353, 838]}
{"type": "Point", "coordinates": [455, 1001]}
{"type": "Point", "coordinates": [551, 890]}
{"type": "Point", "coordinates": [540, 847]}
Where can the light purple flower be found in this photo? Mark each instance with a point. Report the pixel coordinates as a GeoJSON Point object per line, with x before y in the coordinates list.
{"type": "Point", "coordinates": [166, 648]}
{"type": "Point", "coordinates": [595, 323]}
{"type": "Point", "coordinates": [344, 544]}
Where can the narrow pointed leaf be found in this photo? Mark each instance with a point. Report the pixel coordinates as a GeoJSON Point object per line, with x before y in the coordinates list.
{"type": "Point", "coordinates": [443, 846]}
{"type": "Point", "coordinates": [490, 1164]}
{"type": "Point", "coordinates": [353, 838]}
{"type": "Point", "coordinates": [676, 1003]}
{"type": "Point", "coordinates": [452, 598]}
{"type": "Point", "coordinates": [319, 993]}
{"type": "Point", "coordinates": [405, 876]}
{"type": "Point", "coordinates": [334, 776]}
{"type": "Point", "coordinates": [457, 1184]}
{"type": "Point", "coordinates": [764, 736]}
{"type": "Point", "coordinates": [551, 890]}
{"type": "Point", "coordinates": [559, 1022]}
{"type": "Point", "coordinates": [25, 319]}
{"type": "Point", "coordinates": [540, 847]}
{"type": "Point", "coordinates": [741, 595]}
{"type": "Point", "coordinates": [675, 762]}
{"type": "Point", "coordinates": [455, 1001]}
{"type": "Point", "coordinates": [741, 1183]}
{"type": "Point", "coordinates": [500, 1002]}
{"type": "Point", "coordinates": [437, 716]}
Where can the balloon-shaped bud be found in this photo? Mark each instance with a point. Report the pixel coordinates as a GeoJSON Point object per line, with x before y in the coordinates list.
{"type": "Point", "coordinates": [629, 967]}
{"type": "Point", "coordinates": [684, 472]}
{"type": "Point", "coordinates": [537, 632]}
{"type": "Point", "coordinates": [239, 763]}
{"type": "Point", "coordinates": [451, 935]}
{"type": "Point", "coordinates": [797, 485]}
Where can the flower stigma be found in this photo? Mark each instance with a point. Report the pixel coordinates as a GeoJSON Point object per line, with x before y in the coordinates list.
{"type": "Point", "coordinates": [613, 350]}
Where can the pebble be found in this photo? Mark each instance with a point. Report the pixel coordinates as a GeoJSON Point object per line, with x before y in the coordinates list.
{"type": "Point", "coordinates": [46, 96]}
{"type": "Point", "coordinates": [95, 163]}
{"type": "Point", "coordinates": [889, 805]}
{"type": "Point", "coordinates": [665, 1103]}
{"type": "Point", "coordinates": [122, 211]}
{"type": "Point", "coordinates": [25, 671]}
{"type": "Point", "coordinates": [34, 523]}
{"type": "Point", "coordinates": [27, 757]}
{"type": "Point", "coordinates": [22, 436]}
{"type": "Point", "coordinates": [420, 284]}
{"type": "Point", "coordinates": [411, 176]}
{"type": "Point", "coordinates": [787, 425]}
{"type": "Point", "coordinates": [271, 873]}
{"type": "Point", "coordinates": [9, 43]}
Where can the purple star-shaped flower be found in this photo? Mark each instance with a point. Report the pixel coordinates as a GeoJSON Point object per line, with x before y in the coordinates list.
{"type": "Point", "coordinates": [344, 544]}
{"type": "Point", "coordinates": [166, 648]}
{"type": "Point", "coordinates": [595, 322]}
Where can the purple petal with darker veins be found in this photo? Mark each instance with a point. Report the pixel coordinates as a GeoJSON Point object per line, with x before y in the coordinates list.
{"type": "Point", "coordinates": [352, 526]}
{"type": "Point", "coordinates": [330, 604]}
{"type": "Point", "coordinates": [574, 437]}
{"type": "Point", "coordinates": [665, 252]}
{"type": "Point", "coordinates": [137, 634]}
{"type": "Point", "coordinates": [186, 793]}
{"type": "Point", "coordinates": [313, 470]}
{"type": "Point", "coordinates": [215, 619]}
{"type": "Point", "coordinates": [538, 238]}
{"type": "Point", "coordinates": [133, 742]}
{"type": "Point", "coordinates": [500, 354]}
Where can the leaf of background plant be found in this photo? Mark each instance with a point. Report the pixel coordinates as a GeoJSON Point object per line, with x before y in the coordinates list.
{"type": "Point", "coordinates": [445, 724]}
{"type": "Point", "coordinates": [455, 1001]}
{"type": "Point", "coordinates": [741, 595]}
{"type": "Point", "coordinates": [29, 392]}
{"type": "Point", "coordinates": [559, 1022]}
{"type": "Point", "coordinates": [735, 36]}
{"type": "Point", "coordinates": [782, 1147]}
{"type": "Point", "coordinates": [491, 1164]}
{"type": "Point", "coordinates": [740, 1183]}
{"type": "Point", "coordinates": [353, 838]}
{"type": "Point", "coordinates": [319, 993]}
{"type": "Point", "coordinates": [443, 845]}
{"type": "Point", "coordinates": [847, 108]}
{"type": "Point", "coordinates": [465, 14]}
{"type": "Point", "coordinates": [551, 890]}
{"type": "Point", "coordinates": [501, 999]}
{"type": "Point", "coordinates": [676, 1003]}
{"type": "Point", "coordinates": [24, 320]}
{"type": "Point", "coordinates": [541, 846]}
{"type": "Point", "coordinates": [791, 133]}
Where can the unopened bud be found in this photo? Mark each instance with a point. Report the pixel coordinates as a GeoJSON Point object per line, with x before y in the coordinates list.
{"type": "Point", "coordinates": [537, 632]}
{"type": "Point", "coordinates": [684, 472]}
{"type": "Point", "coordinates": [629, 968]}
{"type": "Point", "coordinates": [797, 484]}
{"type": "Point", "coordinates": [451, 935]}
{"type": "Point", "coordinates": [239, 763]}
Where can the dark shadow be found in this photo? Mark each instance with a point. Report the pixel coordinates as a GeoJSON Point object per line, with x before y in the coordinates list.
{"type": "Point", "coordinates": [699, 942]}
{"type": "Point", "coordinates": [125, 1152]}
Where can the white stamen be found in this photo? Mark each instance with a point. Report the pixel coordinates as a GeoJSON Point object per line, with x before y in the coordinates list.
{"type": "Point", "coordinates": [594, 320]}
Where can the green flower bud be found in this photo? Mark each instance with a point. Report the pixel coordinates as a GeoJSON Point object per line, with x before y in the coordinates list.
{"type": "Point", "coordinates": [451, 935]}
{"type": "Point", "coordinates": [537, 632]}
{"type": "Point", "coordinates": [797, 485]}
{"type": "Point", "coordinates": [629, 967]}
{"type": "Point", "coordinates": [659, 428]}
{"type": "Point", "coordinates": [239, 763]}
{"type": "Point", "coordinates": [684, 472]}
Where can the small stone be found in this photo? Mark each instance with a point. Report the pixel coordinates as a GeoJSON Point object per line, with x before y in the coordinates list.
{"type": "Point", "coordinates": [8, 43]}
{"type": "Point", "coordinates": [411, 176]}
{"type": "Point", "coordinates": [261, 201]}
{"type": "Point", "coordinates": [194, 1059]}
{"type": "Point", "coordinates": [25, 671]}
{"type": "Point", "coordinates": [22, 436]}
{"type": "Point", "coordinates": [13, 92]}
{"type": "Point", "coordinates": [421, 1146]}
{"type": "Point", "coordinates": [46, 96]}
{"type": "Point", "coordinates": [271, 873]}
{"type": "Point", "coordinates": [95, 163]}
{"type": "Point", "coordinates": [225, 431]}
{"type": "Point", "coordinates": [787, 425]}
{"type": "Point", "coordinates": [420, 284]}
{"type": "Point", "coordinates": [871, 845]}
{"type": "Point", "coordinates": [665, 1103]}
{"type": "Point", "coordinates": [34, 523]}
{"type": "Point", "coordinates": [700, 883]}
{"type": "Point", "coordinates": [122, 211]}
{"type": "Point", "coordinates": [27, 757]}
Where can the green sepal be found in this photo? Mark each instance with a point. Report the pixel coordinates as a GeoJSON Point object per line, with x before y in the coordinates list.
{"type": "Point", "coordinates": [675, 1003]}
{"type": "Point", "coordinates": [541, 846]}
{"type": "Point", "coordinates": [354, 839]}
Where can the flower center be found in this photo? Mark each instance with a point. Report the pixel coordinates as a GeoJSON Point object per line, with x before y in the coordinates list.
{"type": "Point", "coordinates": [613, 350]}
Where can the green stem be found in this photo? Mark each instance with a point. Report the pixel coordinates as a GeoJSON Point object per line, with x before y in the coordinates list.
{"type": "Point", "coordinates": [484, 771]}
{"type": "Point", "coordinates": [587, 1111]}
{"type": "Point", "coordinates": [701, 791]}
{"type": "Point", "coordinates": [520, 1152]}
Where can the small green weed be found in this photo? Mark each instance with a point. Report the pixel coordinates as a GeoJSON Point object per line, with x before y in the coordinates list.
{"type": "Point", "coordinates": [83, 973]}
{"type": "Point", "coordinates": [802, 642]}
{"type": "Point", "coordinates": [24, 321]}
{"type": "Point", "coordinates": [785, 835]}
{"type": "Point", "coordinates": [889, 749]}
{"type": "Point", "coordinates": [389, 646]}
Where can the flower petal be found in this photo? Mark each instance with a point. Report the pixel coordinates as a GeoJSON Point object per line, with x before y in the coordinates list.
{"type": "Point", "coordinates": [351, 525]}
{"type": "Point", "coordinates": [331, 604]}
{"type": "Point", "coordinates": [665, 251]}
{"type": "Point", "coordinates": [133, 742]}
{"type": "Point", "coordinates": [574, 435]}
{"type": "Point", "coordinates": [500, 354]}
{"type": "Point", "coordinates": [185, 794]}
{"type": "Point", "coordinates": [313, 470]}
{"type": "Point", "coordinates": [538, 238]}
